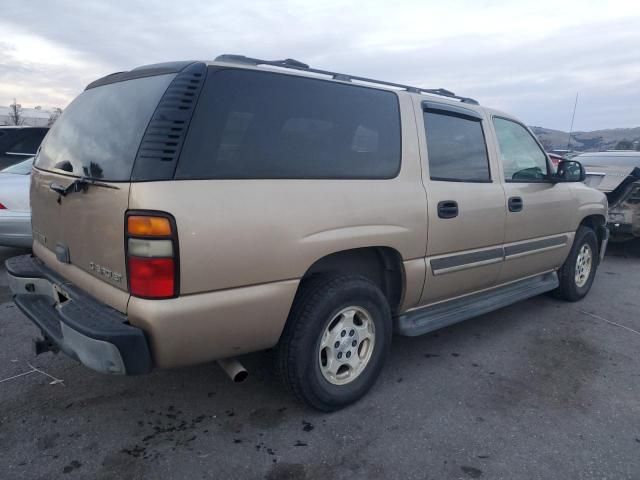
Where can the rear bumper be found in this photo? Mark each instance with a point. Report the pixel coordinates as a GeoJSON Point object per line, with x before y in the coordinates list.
{"type": "Point", "coordinates": [77, 324]}
{"type": "Point", "coordinates": [618, 229]}
{"type": "Point", "coordinates": [15, 229]}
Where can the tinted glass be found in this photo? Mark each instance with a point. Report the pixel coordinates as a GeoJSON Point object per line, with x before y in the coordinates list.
{"type": "Point", "coordinates": [8, 137]}
{"type": "Point", "coordinates": [29, 142]}
{"type": "Point", "coordinates": [22, 168]}
{"type": "Point", "coordinates": [100, 132]}
{"type": "Point", "coordinates": [522, 158]}
{"type": "Point", "coordinates": [456, 147]}
{"type": "Point", "coordinates": [264, 125]}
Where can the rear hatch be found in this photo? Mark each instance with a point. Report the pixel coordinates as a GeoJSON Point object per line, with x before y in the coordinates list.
{"type": "Point", "coordinates": [81, 182]}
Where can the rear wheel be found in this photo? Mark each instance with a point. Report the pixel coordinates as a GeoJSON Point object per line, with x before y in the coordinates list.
{"type": "Point", "coordinates": [335, 341]}
{"type": "Point", "coordinates": [577, 274]}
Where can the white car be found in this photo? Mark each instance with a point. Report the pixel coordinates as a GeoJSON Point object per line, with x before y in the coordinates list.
{"type": "Point", "coordinates": [15, 211]}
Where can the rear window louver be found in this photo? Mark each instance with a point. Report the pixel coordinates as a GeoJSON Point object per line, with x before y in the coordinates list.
{"type": "Point", "coordinates": [161, 144]}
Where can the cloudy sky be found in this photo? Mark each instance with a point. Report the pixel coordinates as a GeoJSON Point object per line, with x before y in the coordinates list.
{"type": "Point", "coordinates": [526, 57]}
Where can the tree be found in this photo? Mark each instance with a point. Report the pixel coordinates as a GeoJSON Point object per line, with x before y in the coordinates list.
{"type": "Point", "coordinates": [15, 113]}
{"type": "Point", "coordinates": [624, 145]}
{"type": "Point", "coordinates": [55, 113]}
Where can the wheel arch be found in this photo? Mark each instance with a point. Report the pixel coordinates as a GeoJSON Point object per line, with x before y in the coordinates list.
{"type": "Point", "coordinates": [380, 264]}
{"type": "Point", "coordinates": [597, 223]}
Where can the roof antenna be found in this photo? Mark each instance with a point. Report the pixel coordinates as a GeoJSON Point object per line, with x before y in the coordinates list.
{"type": "Point", "coordinates": [575, 105]}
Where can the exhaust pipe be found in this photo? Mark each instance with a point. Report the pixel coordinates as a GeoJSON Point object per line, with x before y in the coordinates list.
{"type": "Point", "coordinates": [234, 369]}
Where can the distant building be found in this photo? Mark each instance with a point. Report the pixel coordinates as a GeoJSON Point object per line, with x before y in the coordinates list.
{"type": "Point", "coordinates": [33, 117]}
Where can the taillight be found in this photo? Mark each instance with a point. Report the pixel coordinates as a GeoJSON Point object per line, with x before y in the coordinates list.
{"type": "Point", "coordinates": [152, 255]}
{"type": "Point", "coordinates": [2, 207]}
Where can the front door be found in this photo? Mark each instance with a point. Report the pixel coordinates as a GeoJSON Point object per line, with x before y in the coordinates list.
{"type": "Point", "coordinates": [538, 211]}
{"type": "Point", "coordinates": [466, 206]}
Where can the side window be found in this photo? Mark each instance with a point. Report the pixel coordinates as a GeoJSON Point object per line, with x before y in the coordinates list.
{"type": "Point", "coordinates": [456, 147]}
{"type": "Point", "coordinates": [267, 125]}
{"type": "Point", "coordinates": [522, 158]}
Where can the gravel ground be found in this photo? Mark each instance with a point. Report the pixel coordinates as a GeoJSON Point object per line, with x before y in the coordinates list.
{"type": "Point", "coordinates": [542, 389]}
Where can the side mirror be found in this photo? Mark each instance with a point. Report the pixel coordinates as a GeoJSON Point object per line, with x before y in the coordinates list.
{"type": "Point", "coordinates": [570, 171]}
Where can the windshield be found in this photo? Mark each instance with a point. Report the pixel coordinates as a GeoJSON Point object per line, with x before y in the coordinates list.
{"type": "Point", "coordinates": [22, 168]}
{"type": "Point", "coordinates": [98, 135]}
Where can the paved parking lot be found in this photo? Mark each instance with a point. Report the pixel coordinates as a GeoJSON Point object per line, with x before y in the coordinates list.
{"type": "Point", "coordinates": [541, 389]}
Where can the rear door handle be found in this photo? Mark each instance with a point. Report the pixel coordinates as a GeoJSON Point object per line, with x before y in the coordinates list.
{"type": "Point", "coordinates": [448, 209]}
{"type": "Point", "coordinates": [515, 204]}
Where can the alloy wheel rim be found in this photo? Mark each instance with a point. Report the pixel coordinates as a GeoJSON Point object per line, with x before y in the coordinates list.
{"type": "Point", "coordinates": [584, 263]}
{"type": "Point", "coordinates": [346, 345]}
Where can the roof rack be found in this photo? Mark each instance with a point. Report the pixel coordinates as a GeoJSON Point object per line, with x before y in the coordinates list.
{"type": "Point", "coordinates": [297, 65]}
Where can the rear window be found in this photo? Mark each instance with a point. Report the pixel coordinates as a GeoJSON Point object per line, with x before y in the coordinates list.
{"type": "Point", "coordinates": [266, 125]}
{"type": "Point", "coordinates": [98, 134]}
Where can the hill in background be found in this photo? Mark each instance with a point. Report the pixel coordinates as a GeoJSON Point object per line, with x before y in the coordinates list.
{"type": "Point", "coordinates": [595, 141]}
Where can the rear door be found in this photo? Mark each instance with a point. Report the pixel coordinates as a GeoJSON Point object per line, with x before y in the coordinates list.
{"type": "Point", "coordinates": [81, 234]}
{"type": "Point", "coordinates": [466, 202]}
{"type": "Point", "coordinates": [539, 212]}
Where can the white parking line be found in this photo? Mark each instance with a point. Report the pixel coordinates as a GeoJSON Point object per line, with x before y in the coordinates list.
{"type": "Point", "coordinates": [54, 381]}
{"type": "Point", "coordinates": [609, 321]}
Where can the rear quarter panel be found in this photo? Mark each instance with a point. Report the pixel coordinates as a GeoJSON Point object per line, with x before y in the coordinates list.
{"type": "Point", "coordinates": [235, 233]}
{"type": "Point", "coordinates": [245, 244]}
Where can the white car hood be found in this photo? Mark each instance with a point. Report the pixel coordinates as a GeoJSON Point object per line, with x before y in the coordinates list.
{"type": "Point", "coordinates": [14, 192]}
{"type": "Point", "coordinates": [607, 178]}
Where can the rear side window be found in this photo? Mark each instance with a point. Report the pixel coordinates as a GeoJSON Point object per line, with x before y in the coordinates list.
{"type": "Point", "coordinates": [456, 148]}
{"type": "Point", "coordinates": [99, 133]}
{"type": "Point", "coordinates": [265, 125]}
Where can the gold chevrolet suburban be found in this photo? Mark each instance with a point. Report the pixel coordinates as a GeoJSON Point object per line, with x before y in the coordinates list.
{"type": "Point", "coordinates": [195, 211]}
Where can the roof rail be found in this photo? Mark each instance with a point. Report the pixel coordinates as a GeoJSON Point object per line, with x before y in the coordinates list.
{"type": "Point", "coordinates": [297, 65]}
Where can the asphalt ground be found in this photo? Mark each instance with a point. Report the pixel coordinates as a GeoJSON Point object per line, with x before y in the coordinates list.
{"type": "Point", "coordinates": [539, 390]}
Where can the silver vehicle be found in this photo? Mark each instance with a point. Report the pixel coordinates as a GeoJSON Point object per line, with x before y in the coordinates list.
{"type": "Point", "coordinates": [617, 175]}
{"type": "Point", "coordinates": [15, 213]}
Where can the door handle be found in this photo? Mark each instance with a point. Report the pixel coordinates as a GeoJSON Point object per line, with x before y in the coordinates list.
{"type": "Point", "coordinates": [515, 204]}
{"type": "Point", "coordinates": [448, 209]}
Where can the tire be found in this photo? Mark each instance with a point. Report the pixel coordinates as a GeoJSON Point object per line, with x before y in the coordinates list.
{"type": "Point", "coordinates": [307, 352]}
{"type": "Point", "coordinates": [572, 288]}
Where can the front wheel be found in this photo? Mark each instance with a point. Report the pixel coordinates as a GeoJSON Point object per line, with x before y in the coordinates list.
{"type": "Point", "coordinates": [335, 342]}
{"type": "Point", "coordinates": [577, 274]}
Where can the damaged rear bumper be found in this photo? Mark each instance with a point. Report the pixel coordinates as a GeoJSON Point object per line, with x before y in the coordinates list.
{"type": "Point", "coordinates": [624, 210]}
{"type": "Point", "coordinates": [75, 323]}
{"type": "Point", "coordinates": [620, 229]}
{"type": "Point", "coordinates": [624, 220]}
